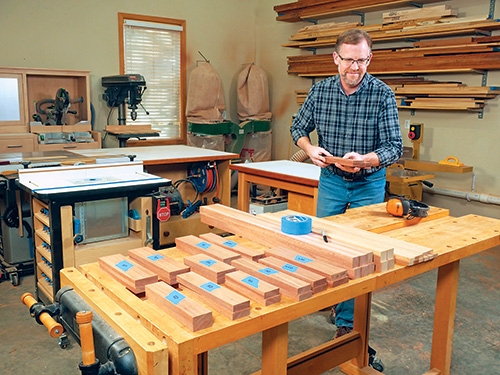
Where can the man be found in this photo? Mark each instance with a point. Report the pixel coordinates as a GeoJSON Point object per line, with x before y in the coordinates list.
{"type": "Point", "coordinates": [355, 116]}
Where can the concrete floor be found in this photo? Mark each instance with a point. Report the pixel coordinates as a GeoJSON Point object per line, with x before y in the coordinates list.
{"type": "Point", "coordinates": [401, 329]}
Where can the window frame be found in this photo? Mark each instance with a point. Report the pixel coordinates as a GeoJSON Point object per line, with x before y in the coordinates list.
{"type": "Point", "coordinates": [171, 21]}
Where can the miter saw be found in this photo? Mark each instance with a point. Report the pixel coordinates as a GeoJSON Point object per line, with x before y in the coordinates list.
{"type": "Point", "coordinates": [57, 110]}
{"type": "Point", "coordinates": [124, 89]}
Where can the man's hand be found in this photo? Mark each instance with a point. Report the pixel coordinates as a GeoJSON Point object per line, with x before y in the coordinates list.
{"type": "Point", "coordinates": [315, 153]}
{"type": "Point", "coordinates": [371, 158]}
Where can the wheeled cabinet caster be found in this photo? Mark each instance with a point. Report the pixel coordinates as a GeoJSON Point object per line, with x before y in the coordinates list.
{"type": "Point", "coordinates": [377, 364]}
{"type": "Point", "coordinates": [63, 341]}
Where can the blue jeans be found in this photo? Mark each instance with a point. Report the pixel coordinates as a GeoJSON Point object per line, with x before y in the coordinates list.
{"type": "Point", "coordinates": [335, 195]}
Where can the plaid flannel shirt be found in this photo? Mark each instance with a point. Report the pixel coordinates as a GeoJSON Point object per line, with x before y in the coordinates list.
{"type": "Point", "coordinates": [365, 121]}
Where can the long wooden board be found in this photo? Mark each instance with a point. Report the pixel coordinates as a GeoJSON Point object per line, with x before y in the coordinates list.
{"type": "Point", "coordinates": [265, 233]}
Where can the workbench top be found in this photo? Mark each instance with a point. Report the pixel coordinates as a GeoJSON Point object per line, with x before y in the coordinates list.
{"type": "Point", "coordinates": [161, 154]}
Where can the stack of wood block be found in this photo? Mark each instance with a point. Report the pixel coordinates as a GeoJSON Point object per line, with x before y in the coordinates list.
{"type": "Point", "coordinates": [292, 287]}
{"type": "Point", "coordinates": [213, 269]}
{"type": "Point", "coordinates": [317, 9]}
{"type": "Point", "coordinates": [194, 245]}
{"type": "Point", "coordinates": [223, 300]}
{"type": "Point", "coordinates": [166, 268]}
{"type": "Point", "coordinates": [356, 260]}
{"type": "Point", "coordinates": [130, 274]}
{"type": "Point", "coordinates": [254, 288]}
{"type": "Point", "coordinates": [387, 251]}
{"type": "Point", "coordinates": [185, 310]}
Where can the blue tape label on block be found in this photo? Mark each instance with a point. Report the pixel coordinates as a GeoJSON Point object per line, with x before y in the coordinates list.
{"type": "Point", "coordinates": [175, 297]}
{"type": "Point", "coordinates": [290, 267]}
{"type": "Point", "coordinates": [210, 286]}
{"type": "Point", "coordinates": [302, 259]}
{"type": "Point", "coordinates": [155, 257]}
{"type": "Point", "coordinates": [252, 281]}
{"type": "Point", "coordinates": [230, 243]}
{"type": "Point", "coordinates": [208, 262]}
{"type": "Point", "coordinates": [124, 265]}
{"type": "Point", "coordinates": [268, 271]}
{"type": "Point", "coordinates": [203, 245]}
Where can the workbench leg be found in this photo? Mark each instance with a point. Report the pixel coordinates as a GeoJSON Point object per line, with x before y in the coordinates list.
{"type": "Point", "coordinates": [275, 350]}
{"type": "Point", "coordinates": [243, 192]}
{"type": "Point", "coordinates": [444, 317]}
{"type": "Point", "coordinates": [182, 359]}
{"type": "Point", "coordinates": [362, 309]}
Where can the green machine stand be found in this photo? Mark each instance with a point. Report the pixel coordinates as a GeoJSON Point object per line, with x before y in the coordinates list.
{"type": "Point", "coordinates": [238, 132]}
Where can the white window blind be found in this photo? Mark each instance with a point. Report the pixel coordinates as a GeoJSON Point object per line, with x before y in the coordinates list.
{"type": "Point", "coordinates": [154, 51]}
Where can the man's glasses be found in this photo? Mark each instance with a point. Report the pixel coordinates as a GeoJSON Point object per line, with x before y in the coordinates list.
{"type": "Point", "coordinates": [349, 62]}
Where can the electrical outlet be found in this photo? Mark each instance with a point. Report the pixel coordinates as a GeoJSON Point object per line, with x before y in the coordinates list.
{"type": "Point", "coordinates": [407, 124]}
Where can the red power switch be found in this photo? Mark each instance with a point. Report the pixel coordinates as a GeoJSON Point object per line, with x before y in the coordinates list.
{"type": "Point", "coordinates": [415, 132]}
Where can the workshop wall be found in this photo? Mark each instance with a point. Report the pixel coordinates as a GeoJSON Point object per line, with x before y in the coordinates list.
{"type": "Point", "coordinates": [461, 134]}
{"type": "Point", "coordinates": [83, 35]}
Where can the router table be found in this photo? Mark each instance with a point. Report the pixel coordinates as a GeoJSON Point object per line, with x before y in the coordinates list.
{"type": "Point", "coordinates": [161, 344]}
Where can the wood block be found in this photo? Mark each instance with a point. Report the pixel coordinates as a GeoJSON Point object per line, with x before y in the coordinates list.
{"type": "Point", "coordinates": [243, 250]}
{"type": "Point", "coordinates": [318, 282]}
{"type": "Point", "coordinates": [225, 301]}
{"type": "Point", "coordinates": [194, 245]}
{"type": "Point", "coordinates": [130, 274]}
{"type": "Point", "coordinates": [291, 287]}
{"type": "Point", "coordinates": [385, 265]}
{"type": "Point", "coordinates": [257, 290]}
{"type": "Point", "coordinates": [337, 282]}
{"type": "Point", "coordinates": [329, 271]}
{"type": "Point", "coordinates": [213, 269]}
{"type": "Point", "coordinates": [362, 271]}
{"type": "Point", "coordinates": [269, 234]}
{"type": "Point", "coordinates": [189, 313]}
{"type": "Point", "coordinates": [347, 162]}
{"type": "Point", "coordinates": [166, 268]}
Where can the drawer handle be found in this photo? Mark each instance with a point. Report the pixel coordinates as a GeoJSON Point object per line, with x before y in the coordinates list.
{"type": "Point", "coordinates": [14, 146]}
{"type": "Point", "coordinates": [69, 147]}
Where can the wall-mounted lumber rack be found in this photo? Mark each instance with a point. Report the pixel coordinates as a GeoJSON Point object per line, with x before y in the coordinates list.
{"type": "Point", "coordinates": [306, 9]}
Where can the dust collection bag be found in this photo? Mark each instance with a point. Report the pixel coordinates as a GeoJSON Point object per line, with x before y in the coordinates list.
{"type": "Point", "coordinates": [205, 101]}
{"type": "Point", "coordinates": [253, 94]}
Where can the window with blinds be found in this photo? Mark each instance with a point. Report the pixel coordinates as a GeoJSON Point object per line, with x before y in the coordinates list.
{"type": "Point", "coordinates": [154, 47]}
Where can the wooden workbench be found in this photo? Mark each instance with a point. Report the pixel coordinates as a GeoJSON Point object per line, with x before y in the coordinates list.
{"type": "Point", "coordinates": [300, 180]}
{"type": "Point", "coordinates": [451, 238]}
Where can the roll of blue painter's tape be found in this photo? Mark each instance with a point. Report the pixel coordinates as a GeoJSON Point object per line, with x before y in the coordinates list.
{"type": "Point", "coordinates": [296, 224]}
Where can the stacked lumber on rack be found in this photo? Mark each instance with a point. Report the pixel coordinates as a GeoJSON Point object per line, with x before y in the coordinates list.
{"type": "Point", "coordinates": [450, 58]}
{"type": "Point", "coordinates": [317, 9]}
{"type": "Point", "coordinates": [385, 249]}
{"type": "Point", "coordinates": [414, 93]}
{"type": "Point", "coordinates": [327, 37]}
{"type": "Point", "coordinates": [356, 260]}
